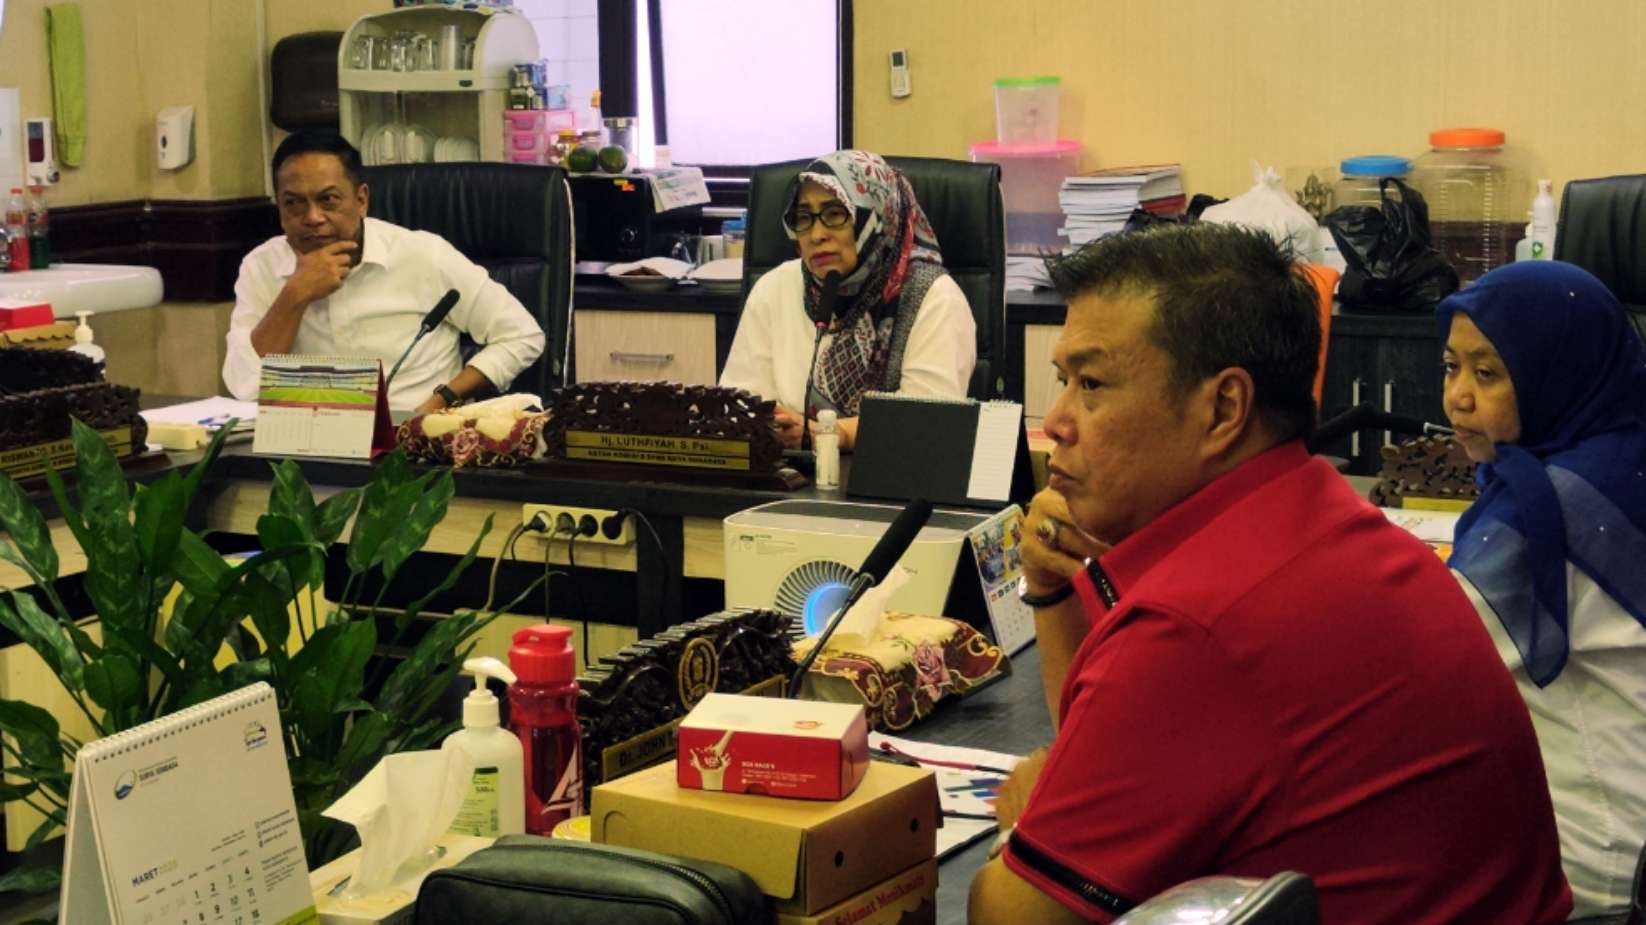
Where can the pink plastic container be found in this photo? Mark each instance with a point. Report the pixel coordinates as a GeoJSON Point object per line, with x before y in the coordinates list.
{"type": "Point", "coordinates": [1030, 177]}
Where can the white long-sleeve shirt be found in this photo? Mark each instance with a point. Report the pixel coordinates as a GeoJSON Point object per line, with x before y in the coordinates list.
{"type": "Point", "coordinates": [774, 341]}
{"type": "Point", "coordinates": [401, 275]}
{"type": "Point", "coordinates": [1591, 728]}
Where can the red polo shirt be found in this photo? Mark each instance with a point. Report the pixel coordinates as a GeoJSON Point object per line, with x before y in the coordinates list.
{"type": "Point", "coordinates": [1282, 680]}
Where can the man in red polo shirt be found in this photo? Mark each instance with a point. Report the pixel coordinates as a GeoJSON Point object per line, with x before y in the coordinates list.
{"type": "Point", "coordinates": [1254, 672]}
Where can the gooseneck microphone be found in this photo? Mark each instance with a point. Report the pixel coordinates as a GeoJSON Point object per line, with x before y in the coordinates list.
{"type": "Point", "coordinates": [1366, 417]}
{"type": "Point", "coordinates": [822, 318]}
{"type": "Point", "coordinates": [431, 321]}
{"type": "Point", "coordinates": [876, 566]}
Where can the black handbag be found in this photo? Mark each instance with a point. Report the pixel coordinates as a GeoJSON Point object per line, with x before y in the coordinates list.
{"type": "Point", "coordinates": [525, 878]}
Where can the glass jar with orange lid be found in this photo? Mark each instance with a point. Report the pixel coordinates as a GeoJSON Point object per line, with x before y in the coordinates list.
{"type": "Point", "coordinates": [1477, 193]}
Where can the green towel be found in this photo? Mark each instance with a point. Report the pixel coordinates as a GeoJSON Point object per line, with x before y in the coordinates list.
{"type": "Point", "coordinates": [67, 50]}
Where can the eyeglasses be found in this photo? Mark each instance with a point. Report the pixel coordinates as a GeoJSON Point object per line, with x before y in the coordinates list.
{"type": "Point", "coordinates": [833, 216]}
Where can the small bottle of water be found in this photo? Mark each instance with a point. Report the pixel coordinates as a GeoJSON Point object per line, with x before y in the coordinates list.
{"type": "Point", "coordinates": [826, 446]}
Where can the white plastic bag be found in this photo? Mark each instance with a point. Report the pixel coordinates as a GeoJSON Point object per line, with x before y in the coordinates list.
{"type": "Point", "coordinates": [1267, 206]}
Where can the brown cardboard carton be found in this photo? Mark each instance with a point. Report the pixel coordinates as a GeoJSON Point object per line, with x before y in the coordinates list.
{"type": "Point", "coordinates": [806, 855]}
{"type": "Point", "coordinates": [909, 898]}
{"type": "Point", "coordinates": [58, 335]}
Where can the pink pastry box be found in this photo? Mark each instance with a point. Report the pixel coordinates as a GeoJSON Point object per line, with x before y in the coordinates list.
{"type": "Point", "coordinates": [804, 749]}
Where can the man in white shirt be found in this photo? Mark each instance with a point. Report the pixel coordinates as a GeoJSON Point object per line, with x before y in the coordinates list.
{"type": "Point", "coordinates": [340, 283]}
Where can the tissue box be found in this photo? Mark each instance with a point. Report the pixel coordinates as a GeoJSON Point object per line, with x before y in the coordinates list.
{"type": "Point", "coordinates": [909, 898]}
{"type": "Point", "coordinates": [24, 313]}
{"type": "Point", "coordinates": [780, 748]}
{"type": "Point", "coordinates": [899, 676]}
{"type": "Point", "coordinates": [806, 855]}
{"type": "Point", "coordinates": [393, 906]}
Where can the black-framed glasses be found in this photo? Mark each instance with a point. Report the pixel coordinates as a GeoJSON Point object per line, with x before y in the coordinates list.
{"type": "Point", "coordinates": [833, 216]}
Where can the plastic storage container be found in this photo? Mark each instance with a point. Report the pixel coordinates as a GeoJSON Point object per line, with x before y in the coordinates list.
{"type": "Point", "coordinates": [1025, 110]}
{"type": "Point", "coordinates": [1359, 183]}
{"type": "Point", "coordinates": [734, 231]}
{"type": "Point", "coordinates": [1477, 196]}
{"type": "Point", "coordinates": [1030, 178]}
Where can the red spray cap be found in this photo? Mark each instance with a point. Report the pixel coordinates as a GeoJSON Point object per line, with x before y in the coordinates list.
{"type": "Point", "coordinates": [542, 654]}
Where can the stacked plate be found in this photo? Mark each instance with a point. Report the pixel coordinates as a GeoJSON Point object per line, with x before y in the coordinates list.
{"type": "Point", "coordinates": [452, 148]}
{"type": "Point", "coordinates": [724, 276]}
{"type": "Point", "coordinates": [654, 274]}
{"type": "Point", "coordinates": [399, 143]}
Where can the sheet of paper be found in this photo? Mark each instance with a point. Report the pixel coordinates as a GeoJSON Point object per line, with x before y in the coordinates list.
{"type": "Point", "coordinates": [994, 450]}
{"type": "Point", "coordinates": [1429, 526]}
{"type": "Point", "coordinates": [967, 781]}
{"type": "Point", "coordinates": [213, 412]}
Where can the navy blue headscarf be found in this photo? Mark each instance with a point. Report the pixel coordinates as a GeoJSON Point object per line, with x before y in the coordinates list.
{"type": "Point", "coordinates": [1573, 487]}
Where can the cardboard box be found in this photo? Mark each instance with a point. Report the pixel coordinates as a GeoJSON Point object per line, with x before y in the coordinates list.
{"type": "Point", "coordinates": [806, 855]}
{"type": "Point", "coordinates": [910, 898]}
{"type": "Point", "coordinates": [393, 905]}
{"type": "Point", "coordinates": [24, 313]}
{"type": "Point", "coordinates": [55, 336]}
{"type": "Point", "coordinates": [783, 748]}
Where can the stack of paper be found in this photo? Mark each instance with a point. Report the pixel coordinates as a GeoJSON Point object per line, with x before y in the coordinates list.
{"type": "Point", "coordinates": [1027, 273]}
{"type": "Point", "coordinates": [212, 413]}
{"type": "Point", "coordinates": [1098, 203]}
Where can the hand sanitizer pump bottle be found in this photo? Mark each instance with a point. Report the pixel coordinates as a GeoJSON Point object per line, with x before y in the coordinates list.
{"type": "Point", "coordinates": [83, 341]}
{"type": "Point", "coordinates": [496, 802]}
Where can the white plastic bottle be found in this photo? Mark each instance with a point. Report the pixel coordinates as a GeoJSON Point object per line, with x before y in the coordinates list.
{"type": "Point", "coordinates": [83, 343]}
{"type": "Point", "coordinates": [496, 802]}
{"type": "Point", "coordinates": [1523, 247]}
{"type": "Point", "coordinates": [1543, 222]}
{"type": "Point", "coordinates": [826, 447]}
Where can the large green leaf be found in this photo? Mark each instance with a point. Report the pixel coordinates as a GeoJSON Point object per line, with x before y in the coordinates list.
{"type": "Point", "coordinates": [114, 683]}
{"type": "Point", "coordinates": [136, 643]}
{"type": "Point", "coordinates": [27, 529]}
{"type": "Point", "coordinates": [159, 511]}
{"type": "Point", "coordinates": [12, 792]}
{"type": "Point", "coordinates": [201, 468]}
{"type": "Point", "coordinates": [334, 513]}
{"type": "Point", "coordinates": [114, 578]}
{"type": "Point", "coordinates": [248, 671]}
{"type": "Point", "coordinates": [278, 531]}
{"type": "Point", "coordinates": [381, 507]}
{"type": "Point", "coordinates": [326, 676]}
{"type": "Point", "coordinates": [405, 696]}
{"type": "Point", "coordinates": [31, 880]}
{"type": "Point", "coordinates": [200, 568]}
{"type": "Point", "coordinates": [267, 604]}
{"type": "Point", "coordinates": [413, 529]}
{"type": "Point", "coordinates": [36, 733]}
{"type": "Point", "coordinates": [291, 500]}
{"type": "Point", "coordinates": [44, 830]}
{"type": "Point", "coordinates": [46, 636]}
{"type": "Point", "coordinates": [364, 742]}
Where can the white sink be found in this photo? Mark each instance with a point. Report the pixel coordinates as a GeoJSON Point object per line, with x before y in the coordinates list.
{"type": "Point", "coordinates": [85, 287]}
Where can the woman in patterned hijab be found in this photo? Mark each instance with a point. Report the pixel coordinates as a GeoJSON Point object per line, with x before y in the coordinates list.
{"type": "Point", "coordinates": [898, 323]}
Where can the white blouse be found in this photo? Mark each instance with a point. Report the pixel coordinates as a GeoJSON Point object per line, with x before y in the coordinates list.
{"type": "Point", "coordinates": [775, 338]}
{"type": "Point", "coordinates": [1591, 728]}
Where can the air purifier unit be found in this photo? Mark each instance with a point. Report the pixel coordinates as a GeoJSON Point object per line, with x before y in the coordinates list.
{"type": "Point", "coordinates": [798, 557]}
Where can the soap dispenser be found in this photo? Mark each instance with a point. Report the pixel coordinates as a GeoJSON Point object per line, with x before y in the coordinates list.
{"type": "Point", "coordinates": [496, 800]}
{"type": "Point", "coordinates": [83, 341]}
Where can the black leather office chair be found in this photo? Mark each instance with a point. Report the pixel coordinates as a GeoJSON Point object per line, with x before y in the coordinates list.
{"type": "Point", "coordinates": [1287, 898]}
{"type": "Point", "coordinates": [1603, 230]}
{"type": "Point", "coordinates": [1637, 901]}
{"type": "Point", "coordinates": [963, 202]}
{"type": "Point", "coordinates": [513, 219]}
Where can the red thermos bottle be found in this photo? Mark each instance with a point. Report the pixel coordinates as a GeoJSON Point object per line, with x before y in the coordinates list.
{"type": "Point", "coordinates": [543, 712]}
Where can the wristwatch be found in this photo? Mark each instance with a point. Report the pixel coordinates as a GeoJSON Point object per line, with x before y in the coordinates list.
{"type": "Point", "coordinates": [445, 392]}
{"type": "Point", "coordinates": [1042, 600]}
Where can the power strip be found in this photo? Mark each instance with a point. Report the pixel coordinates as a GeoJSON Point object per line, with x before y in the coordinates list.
{"type": "Point", "coordinates": [563, 519]}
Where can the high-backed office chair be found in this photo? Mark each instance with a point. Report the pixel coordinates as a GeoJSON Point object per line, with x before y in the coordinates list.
{"type": "Point", "coordinates": [513, 219]}
{"type": "Point", "coordinates": [1285, 899]}
{"type": "Point", "coordinates": [963, 202]}
{"type": "Point", "coordinates": [1637, 902]}
{"type": "Point", "coordinates": [1603, 230]}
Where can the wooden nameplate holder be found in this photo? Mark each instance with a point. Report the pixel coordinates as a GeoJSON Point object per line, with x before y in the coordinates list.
{"type": "Point", "coordinates": [661, 431]}
{"type": "Point", "coordinates": [40, 391]}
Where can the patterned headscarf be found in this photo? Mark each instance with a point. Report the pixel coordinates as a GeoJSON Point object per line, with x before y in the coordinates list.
{"type": "Point", "coordinates": [1572, 488]}
{"type": "Point", "coordinates": [897, 262]}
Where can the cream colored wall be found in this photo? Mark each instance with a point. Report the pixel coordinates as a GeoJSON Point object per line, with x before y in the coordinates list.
{"type": "Point", "coordinates": [1215, 83]}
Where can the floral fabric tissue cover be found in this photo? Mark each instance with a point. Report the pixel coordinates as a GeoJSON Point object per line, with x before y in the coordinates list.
{"type": "Point", "coordinates": [485, 435]}
{"type": "Point", "coordinates": [900, 675]}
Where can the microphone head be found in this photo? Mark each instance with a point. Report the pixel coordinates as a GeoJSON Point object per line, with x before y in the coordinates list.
{"type": "Point", "coordinates": [896, 540]}
{"type": "Point", "coordinates": [440, 310]}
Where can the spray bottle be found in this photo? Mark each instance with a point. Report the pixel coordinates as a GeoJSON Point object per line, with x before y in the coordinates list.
{"type": "Point", "coordinates": [543, 711]}
{"type": "Point", "coordinates": [495, 804]}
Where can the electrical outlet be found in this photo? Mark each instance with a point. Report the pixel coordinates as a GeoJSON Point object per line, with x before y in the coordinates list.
{"type": "Point", "coordinates": [554, 512]}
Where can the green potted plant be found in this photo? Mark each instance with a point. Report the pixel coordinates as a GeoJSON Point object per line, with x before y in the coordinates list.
{"type": "Point", "coordinates": [138, 550]}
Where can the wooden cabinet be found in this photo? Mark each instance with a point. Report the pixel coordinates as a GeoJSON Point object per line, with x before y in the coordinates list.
{"type": "Point", "coordinates": [1039, 376]}
{"type": "Point", "coordinates": [1392, 362]}
{"type": "Point", "coordinates": [645, 346]}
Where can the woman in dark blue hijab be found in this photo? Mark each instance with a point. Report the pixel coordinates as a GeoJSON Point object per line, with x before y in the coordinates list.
{"type": "Point", "coordinates": [1546, 385]}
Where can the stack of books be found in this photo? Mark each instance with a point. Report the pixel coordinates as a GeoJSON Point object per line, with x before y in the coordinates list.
{"type": "Point", "coordinates": [1098, 203]}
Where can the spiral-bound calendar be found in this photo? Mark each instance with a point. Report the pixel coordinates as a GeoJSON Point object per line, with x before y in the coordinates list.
{"type": "Point", "coordinates": [322, 406]}
{"type": "Point", "coordinates": [188, 820]}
